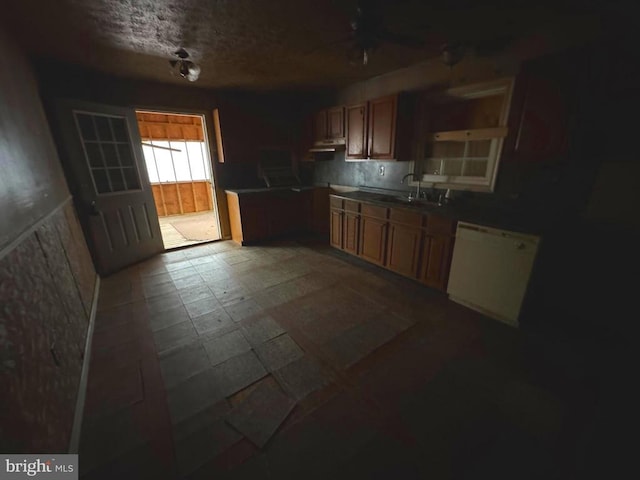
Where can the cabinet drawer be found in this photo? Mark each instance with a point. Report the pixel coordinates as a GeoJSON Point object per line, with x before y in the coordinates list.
{"type": "Point", "coordinates": [405, 217]}
{"type": "Point", "coordinates": [351, 206]}
{"type": "Point", "coordinates": [440, 225]}
{"type": "Point", "coordinates": [336, 202]}
{"type": "Point", "coordinates": [374, 211]}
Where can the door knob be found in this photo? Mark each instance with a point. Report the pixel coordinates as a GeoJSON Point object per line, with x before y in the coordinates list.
{"type": "Point", "coordinates": [93, 209]}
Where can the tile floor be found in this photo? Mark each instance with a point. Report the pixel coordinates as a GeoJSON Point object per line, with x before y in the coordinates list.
{"type": "Point", "coordinates": [294, 361]}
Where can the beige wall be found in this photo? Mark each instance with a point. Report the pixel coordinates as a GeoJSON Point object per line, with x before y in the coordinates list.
{"type": "Point", "coordinates": [31, 180]}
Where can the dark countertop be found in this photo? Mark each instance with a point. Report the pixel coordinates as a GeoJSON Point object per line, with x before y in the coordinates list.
{"type": "Point", "coordinates": [237, 191]}
{"type": "Point", "coordinates": [518, 221]}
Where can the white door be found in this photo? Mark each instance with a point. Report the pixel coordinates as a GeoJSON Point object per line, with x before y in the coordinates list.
{"type": "Point", "coordinates": [105, 168]}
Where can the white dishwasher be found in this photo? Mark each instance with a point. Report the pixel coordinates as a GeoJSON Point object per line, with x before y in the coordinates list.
{"type": "Point", "coordinates": [490, 270]}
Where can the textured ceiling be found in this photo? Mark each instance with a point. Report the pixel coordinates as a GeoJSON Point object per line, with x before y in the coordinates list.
{"type": "Point", "coordinates": [273, 44]}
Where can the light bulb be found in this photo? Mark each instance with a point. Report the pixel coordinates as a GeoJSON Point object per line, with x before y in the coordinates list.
{"type": "Point", "coordinates": [193, 72]}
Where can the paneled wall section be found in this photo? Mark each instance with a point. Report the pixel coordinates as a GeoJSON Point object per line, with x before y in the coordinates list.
{"type": "Point", "coordinates": [46, 291]}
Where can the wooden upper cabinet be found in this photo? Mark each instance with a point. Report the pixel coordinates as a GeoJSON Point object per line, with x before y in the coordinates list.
{"type": "Point", "coordinates": [335, 123]}
{"type": "Point", "coordinates": [382, 128]}
{"type": "Point", "coordinates": [545, 96]}
{"type": "Point", "coordinates": [320, 126]}
{"type": "Point", "coordinates": [328, 126]}
{"type": "Point", "coordinates": [356, 130]}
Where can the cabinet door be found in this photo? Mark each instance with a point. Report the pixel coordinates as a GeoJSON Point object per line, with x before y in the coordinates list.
{"type": "Point", "coordinates": [545, 98]}
{"type": "Point", "coordinates": [255, 225]}
{"type": "Point", "coordinates": [373, 239]}
{"type": "Point", "coordinates": [336, 228]}
{"type": "Point", "coordinates": [320, 126]}
{"type": "Point", "coordinates": [382, 128]}
{"type": "Point", "coordinates": [356, 129]}
{"type": "Point", "coordinates": [403, 250]}
{"type": "Point", "coordinates": [335, 122]}
{"type": "Point", "coordinates": [350, 231]}
{"type": "Point", "coordinates": [307, 139]}
{"type": "Point", "coordinates": [436, 261]}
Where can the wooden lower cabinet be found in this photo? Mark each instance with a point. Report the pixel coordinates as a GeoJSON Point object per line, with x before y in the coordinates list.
{"type": "Point", "coordinates": [373, 239]}
{"type": "Point", "coordinates": [436, 261]}
{"type": "Point", "coordinates": [317, 221]}
{"type": "Point", "coordinates": [403, 250]}
{"type": "Point", "coordinates": [248, 217]}
{"type": "Point", "coordinates": [257, 216]}
{"type": "Point", "coordinates": [287, 212]}
{"type": "Point", "coordinates": [335, 222]}
{"type": "Point", "coordinates": [410, 243]}
{"type": "Point", "coordinates": [350, 232]}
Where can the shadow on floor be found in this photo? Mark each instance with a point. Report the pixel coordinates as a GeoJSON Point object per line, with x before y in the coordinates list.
{"type": "Point", "coordinates": [290, 361]}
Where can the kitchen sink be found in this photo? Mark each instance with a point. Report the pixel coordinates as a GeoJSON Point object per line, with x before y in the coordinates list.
{"type": "Point", "coordinates": [405, 201]}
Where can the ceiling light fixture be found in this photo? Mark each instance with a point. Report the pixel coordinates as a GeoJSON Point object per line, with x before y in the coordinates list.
{"type": "Point", "coordinates": [452, 53]}
{"type": "Point", "coordinates": [184, 67]}
{"type": "Point", "coordinates": [359, 55]}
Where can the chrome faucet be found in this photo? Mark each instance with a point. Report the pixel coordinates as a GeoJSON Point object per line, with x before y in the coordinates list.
{"type": "Point", "coordinates": [416, 177]}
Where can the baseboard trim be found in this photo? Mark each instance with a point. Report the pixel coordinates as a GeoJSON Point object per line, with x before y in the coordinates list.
{"type": "Point", "coordinates": [74, 443]}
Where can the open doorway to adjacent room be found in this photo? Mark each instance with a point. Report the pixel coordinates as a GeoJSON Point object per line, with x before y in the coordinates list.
{"type": "Point", "coordinates": [176, 153]}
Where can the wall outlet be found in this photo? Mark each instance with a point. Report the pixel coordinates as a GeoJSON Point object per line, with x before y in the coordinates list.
{"type": "Point", "coordinates": [381, 170]}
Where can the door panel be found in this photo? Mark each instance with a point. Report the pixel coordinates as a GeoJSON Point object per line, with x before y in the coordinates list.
{"type": "Point", "coordinates": [356, 130]}
{"type": "Point", "coordinates": [106, 172]}
{"type": "Point", "coordinates": [403, 250]}
{"type": "Point", "coordinates": [373, 240]}
{"type": "Point", "coordinates": [382, 128]}
{"type": "Point", "coordinates": [320, 126]}
{"type": "Point", "coordinates": [336, 228]}
{"type": "Point", "coordinates": [335, 121]}
{"type": "Point", "coordinates": [436, 259]}
{"type": "Point", "coordinates": [351, 228]}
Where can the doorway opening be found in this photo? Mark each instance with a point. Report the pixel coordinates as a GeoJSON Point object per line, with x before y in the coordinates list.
{"type": "Point", "coordinates": [176, 153]}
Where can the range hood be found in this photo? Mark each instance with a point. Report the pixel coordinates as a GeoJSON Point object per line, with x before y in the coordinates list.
{"type": "Point", "coordinates": [328, 145]}
{"type": "Point", "coordinates": [326, 148]}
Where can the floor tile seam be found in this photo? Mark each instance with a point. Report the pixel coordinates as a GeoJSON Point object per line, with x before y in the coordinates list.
{"type": "Point", "coordinates": [344, 380]}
